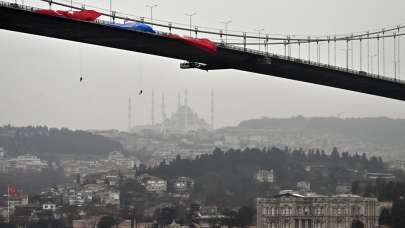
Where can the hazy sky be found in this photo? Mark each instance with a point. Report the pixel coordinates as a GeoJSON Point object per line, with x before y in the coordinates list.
{"type": "Point", "coordinates": [39, 77]}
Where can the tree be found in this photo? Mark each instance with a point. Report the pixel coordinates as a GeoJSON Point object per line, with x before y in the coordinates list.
{"type": "Point", "coordinates": [245, 216]}
{"type": "Point", "coordinates": [106, 222]}
{"type": "Point", "coordinates": [398, 212]}
{"type": "Point", "coordinates": [357, 224]}
{"type": "Point", "coordinates": [166, 215]}
{"type": "Point", "coordinates": [385, 217]}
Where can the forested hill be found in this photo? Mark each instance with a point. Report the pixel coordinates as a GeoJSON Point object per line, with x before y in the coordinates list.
{"type": "Point", "coordinates": [366, 128]}
{"type": "Point", "coordinates": [346, 124]}
{"type": "Point", "coordinates": [228, 177]}
{"type": "Point", "coordinates": [377, 135]}
{"type": "Point", "coordinates": [55, 144]}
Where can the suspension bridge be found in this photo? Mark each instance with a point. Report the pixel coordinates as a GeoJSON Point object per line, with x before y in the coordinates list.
{"type": "Point", "coordinates": [316, 60]}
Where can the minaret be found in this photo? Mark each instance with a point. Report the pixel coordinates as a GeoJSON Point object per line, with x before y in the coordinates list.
{"type": "Point", "coordinates": [153, 108]}
{"type": "Point", "coordinates": [129, 114]}
{"type": "Point", "coordinates": [178, 101]}
{"type": "Point", "coordinates": [186, 98]}
{"type": "Point", "coordinates": [163, 127]}
{"type": "Point", "coordinates": [186, 110]}
{"type": "Point", "coordinates": [212, 109]}
{"type": "Point", "coordinates": [163, 108]}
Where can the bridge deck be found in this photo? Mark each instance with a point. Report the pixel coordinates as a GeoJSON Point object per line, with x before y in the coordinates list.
{"type": "Point", "coordinates": [227, 57]}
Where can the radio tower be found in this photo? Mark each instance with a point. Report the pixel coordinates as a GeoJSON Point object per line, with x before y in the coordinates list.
{"type": "Point", "coordinates": [129, 114]}
{"type": "Point", "coordinates": [212, 109]}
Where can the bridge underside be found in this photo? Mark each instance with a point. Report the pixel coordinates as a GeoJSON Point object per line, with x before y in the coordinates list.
{"type": "Point", "coordinates": [28, 22]}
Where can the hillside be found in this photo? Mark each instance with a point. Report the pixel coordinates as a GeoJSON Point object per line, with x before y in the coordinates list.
{"type": "Point", "coordinates": [227, 178]}
{"type": "Point", "coordinates": [55, 144]}
{"type": "Point", "coordinates": [376, 136]}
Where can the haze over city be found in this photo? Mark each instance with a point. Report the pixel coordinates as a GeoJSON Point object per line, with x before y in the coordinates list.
{"type": "Point", "coordinates": [202, 114]}
{"type": "Point", "coordinates": [40, 76]}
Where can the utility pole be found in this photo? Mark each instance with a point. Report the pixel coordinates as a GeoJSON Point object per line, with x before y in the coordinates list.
{"type": "Point", "coordinates": [351, 52]}
{"type": "Point", "coordinates": [328, 50]}
{"type": "Point", "coordinates": [226, 23]}
{"type": "Point", "coordinates": [260, 32]}
{"type": "Point", "coordinates": [395, 55]}
{"type": "Point", "coordinates": [399, 52]}
{"type": "Point", "coordinates": [151, 11]}
{"type": "Point", "coordinates": [378, 54]}
{"type": "Point", "coordinates": [335, 51]}
{"type": "Point", "coordinates": [361, 53]}
{"type": "Point", "coordinates": [309, 49]}
{"type": "Point", "coordinates": [383, 53]}
{"type": "Point", "coordinates": [190, 15]}
{"type": "Point", "coordinates": [347, 54]}
{"type": "Point", "coordinates": [368, 52]}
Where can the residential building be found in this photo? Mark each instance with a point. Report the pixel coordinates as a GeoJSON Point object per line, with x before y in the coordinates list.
{"type": "Point", "coordinates": [49, 206]}
{"type": "Point", "coordinates": [110, 197]}
{"type": "Point", "coordinates": [265, 176]}
{"type": "Point", "coordinates": [20, 199]}
{"type": "Point", "coordinates": [381, 176]}
{"type": "Point", "coordinates": [120, 161]}
{"type": "Point", "coordinates": [155, 184]}
{"type": "Point", "coordinates": [183, 184]}
{"type": "Point", "coordinates": [26, 163]}
{"type": "Point", "coordinates": [343, 189]}
{"type": "Point", "coordinates": [303, 186]}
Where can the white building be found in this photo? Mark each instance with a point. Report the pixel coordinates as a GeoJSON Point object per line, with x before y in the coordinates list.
{"type": "Point", "coordinates": [3, 166]}
{"type": "Point", "coordinates": [303, 186]}
{"type": "Point", "coordinates": [2, 153]}
{"type": "Point", "coordinates": [119, 160]}
{"type": "Point", "coordinates": [183, 184]}
{"type": "Point", "coordinates": [49, 207]}
{"type": "Point", "coordinates": [20, 199]}
{"type": "Point", "coordinates": [26, 162]}
{"type": "Point", "coordinates": [156, 184]}
{"type": "Point", "coordinates": [111, 197]}
{"type": "Point", "coordinates": [265, 176]}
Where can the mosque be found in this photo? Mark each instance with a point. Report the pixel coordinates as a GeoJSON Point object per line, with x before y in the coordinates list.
{"type": "Point", "coordinates": [183, 120]}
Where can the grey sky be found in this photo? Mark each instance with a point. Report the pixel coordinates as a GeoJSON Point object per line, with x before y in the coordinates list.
{"type": "Point", "coordinates": [39, 77]}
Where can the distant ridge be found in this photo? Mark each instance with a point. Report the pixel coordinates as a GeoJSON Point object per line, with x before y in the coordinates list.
{"type": "Point", "coordinates": [377, 135]}
{"type": "Point", "coordinates": [54, 143]}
